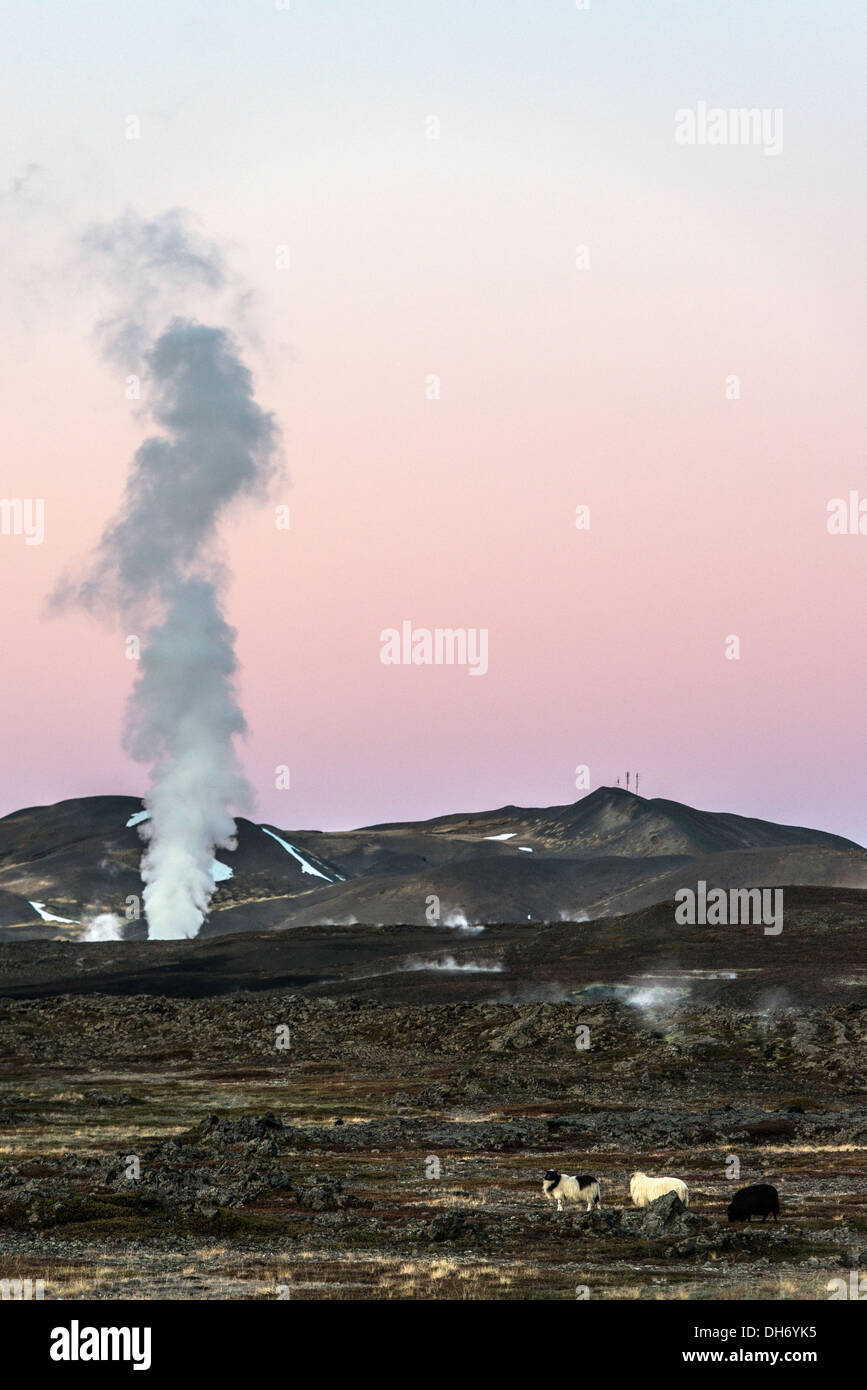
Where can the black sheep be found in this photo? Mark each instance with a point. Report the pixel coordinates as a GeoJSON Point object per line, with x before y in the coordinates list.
{"type": "Point", "coordinates": [759, 1200]}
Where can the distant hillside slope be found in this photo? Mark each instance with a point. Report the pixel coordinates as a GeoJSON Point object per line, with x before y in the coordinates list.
{"type": "Point", "coordinates": [611, 852]}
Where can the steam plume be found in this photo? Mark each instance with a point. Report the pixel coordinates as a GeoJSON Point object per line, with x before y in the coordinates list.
{"type": "Point", "coordinates": [106, 927]}
{"type": "Point", "coordinates": [157, 564]}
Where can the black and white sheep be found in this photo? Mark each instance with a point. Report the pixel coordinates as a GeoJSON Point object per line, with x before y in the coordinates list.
{"type": "Point", "coordinates": [563, 1187]}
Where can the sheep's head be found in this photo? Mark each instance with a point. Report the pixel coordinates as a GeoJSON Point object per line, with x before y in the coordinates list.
{"type": "Point", "coordinates": [552, 1175]}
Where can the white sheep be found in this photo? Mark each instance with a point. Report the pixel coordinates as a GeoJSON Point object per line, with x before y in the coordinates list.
{"type": "Point", "coordinates": [645, 1190]}
{"type": "Point", "coordinates": [562, 1187]}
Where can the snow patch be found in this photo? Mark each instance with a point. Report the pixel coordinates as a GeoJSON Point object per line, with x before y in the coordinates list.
{"type": "Point", "coordinates": [306, 868]}
{"type": "Point", "coordinates": [509, 835]}
{"type": "Point", "coordinates": [49, 917]}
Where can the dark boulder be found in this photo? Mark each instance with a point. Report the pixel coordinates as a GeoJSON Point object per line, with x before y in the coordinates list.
{"type": "Point", "coordinates": [452, 1226]}
{"type": "Point", "coordinates": [663, 1217]}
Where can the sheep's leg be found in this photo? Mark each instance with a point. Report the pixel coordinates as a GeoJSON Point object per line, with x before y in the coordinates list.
{"type": "Point", "coordinates": [559, 1205]}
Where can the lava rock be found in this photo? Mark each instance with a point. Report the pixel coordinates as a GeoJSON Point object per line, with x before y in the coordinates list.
{"type": "Point", "coordinates": [664, 1216]}
{"type": "Point", "coordinates": [452, 1226]}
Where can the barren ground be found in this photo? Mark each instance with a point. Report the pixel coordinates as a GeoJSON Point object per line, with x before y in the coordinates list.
{"type": "Point", "coordinates": [310, 1171]}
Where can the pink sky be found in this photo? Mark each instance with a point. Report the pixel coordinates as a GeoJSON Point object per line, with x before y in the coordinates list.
{"type": "Point", "coordinates": [559, 387]}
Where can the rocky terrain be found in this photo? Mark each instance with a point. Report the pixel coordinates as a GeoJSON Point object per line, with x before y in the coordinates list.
{"type": "Point", "coordinates": [817, 958]}
{"type": "Point", "coordinates": [272, 1144]}
{"type": "Point", "coordinates": [290, 1107]}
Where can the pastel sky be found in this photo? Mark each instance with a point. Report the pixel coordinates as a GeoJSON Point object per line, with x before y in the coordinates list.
{"type": "Point", "coordinates": [566, 379]}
